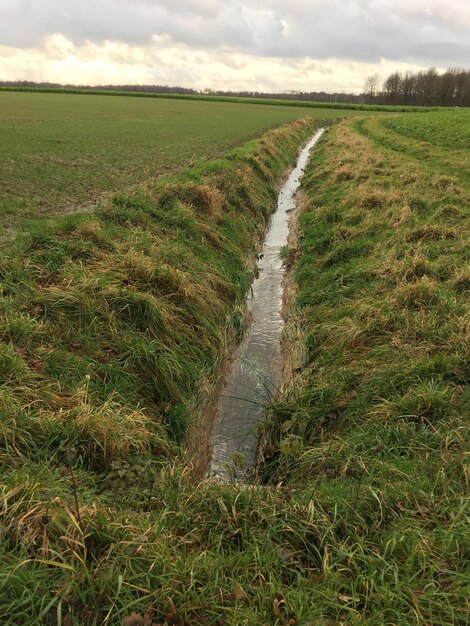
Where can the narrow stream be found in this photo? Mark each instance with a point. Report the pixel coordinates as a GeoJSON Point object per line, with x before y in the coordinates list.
{"type": "Point", "coordinates": [254, 375]}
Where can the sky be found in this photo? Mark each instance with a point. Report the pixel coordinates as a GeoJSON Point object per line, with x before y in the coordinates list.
{"type": "Point", "coordinates": [257, 45]}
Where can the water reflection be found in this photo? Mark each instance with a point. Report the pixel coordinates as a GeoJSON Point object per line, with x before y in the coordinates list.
{"type": "Point", "coordinates": [254, 375]}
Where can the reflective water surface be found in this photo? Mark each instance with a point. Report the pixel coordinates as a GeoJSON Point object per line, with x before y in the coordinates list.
{"type": "Point", "coordinates": [253, 378]}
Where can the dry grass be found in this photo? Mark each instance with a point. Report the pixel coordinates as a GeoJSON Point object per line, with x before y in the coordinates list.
{"type": "Point", "coordinates": [375, 422]}
{"type": "Point", "coordinates": [112, 329]}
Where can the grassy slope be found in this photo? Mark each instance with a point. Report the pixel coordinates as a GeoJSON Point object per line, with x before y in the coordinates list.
{"type": "Point", "coordinates": [112, 328]}
{"type": "Point", "coordinates": [61, 153]}
{"type": "Point", "coordinates": [375, 428]}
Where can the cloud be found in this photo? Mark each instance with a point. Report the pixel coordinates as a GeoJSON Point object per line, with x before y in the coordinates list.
{"type": "Point", "coordinates": [414, 31]}
{"type": "Point", "coordinates": [229, 44]}
{"type": "Point", "coordinates": [166, 62]}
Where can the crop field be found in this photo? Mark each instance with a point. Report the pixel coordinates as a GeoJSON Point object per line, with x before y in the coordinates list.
{"type": "Point", "coordinates": [449, 129]}
{"type": "Point", "coordinates": [216, 98]}
{"type": "Point", "coordinates": [61, 153]}
{"type": "Point", "coordinates": [117, 319]}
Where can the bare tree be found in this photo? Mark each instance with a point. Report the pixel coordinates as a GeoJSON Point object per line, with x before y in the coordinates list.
{"type": "Point", "coordinates": [370, 87]}
{"type": "Point", "coordinates": [391, 87]}
{"type": "Point", "coordinates": [428, 87]}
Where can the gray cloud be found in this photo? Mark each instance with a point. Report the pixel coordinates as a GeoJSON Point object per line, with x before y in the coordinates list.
{"type": "Point", "coordinates": [414, 31]}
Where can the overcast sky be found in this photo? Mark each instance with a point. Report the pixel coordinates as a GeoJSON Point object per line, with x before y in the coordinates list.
{"type": "Point", "coordinates": [239, 44]}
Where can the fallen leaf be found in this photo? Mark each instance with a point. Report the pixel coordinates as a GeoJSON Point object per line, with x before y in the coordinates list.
{"type": "Point", "coordinates": [286, 620]}
{"type": "Point", "coordinates": [172, 617]}
{"type": "Point", "coordinates": [148, 619]}
{"type": "Point", "coordinates": [237, 594]}
{"type": "Point", "coordinates": [345, 598]}
{"type": "Point", "coordinates": [134, 619]}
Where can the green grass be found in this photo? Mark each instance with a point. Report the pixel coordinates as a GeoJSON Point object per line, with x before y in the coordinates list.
{"type": "Point", "coordinates": [448, 128]}
{"type": "Point", "coordinates": [441, 142]}
{"type": "Point", "coordinates": [113, 326]}
{"type": "Point", "coordinates": [63, 153]}
{"type": "Point", "coordinates": [121, 316]}
{"type": "Point", "coordinates": [239, 100]}
{"type": "Point", "coordinates": [375, 425]}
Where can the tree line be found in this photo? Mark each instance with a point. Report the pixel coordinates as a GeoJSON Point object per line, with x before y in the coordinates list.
{"type": "Point", "coordinates": [138, 88]}
{"type": "Point", "coordinates": [310, 96]}
{"type": "Point", "coordinates": [423, 88]}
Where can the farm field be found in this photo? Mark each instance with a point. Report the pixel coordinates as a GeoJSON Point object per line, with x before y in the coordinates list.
{"type": "Point", "coordinates": [61, 153]}
{"type": "Point", "coordinates": [114, 324]}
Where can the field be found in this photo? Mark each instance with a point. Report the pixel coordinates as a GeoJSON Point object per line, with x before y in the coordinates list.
{"type": "Point", "coordinates": [227, 99]}
{"type": "Point", "coordinates": [62, 153]}
{"type": "Point", "coordinates": [114, 326]}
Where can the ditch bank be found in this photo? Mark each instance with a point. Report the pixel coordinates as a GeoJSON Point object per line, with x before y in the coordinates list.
{"type": "Point", "coordinates": [116, 323]}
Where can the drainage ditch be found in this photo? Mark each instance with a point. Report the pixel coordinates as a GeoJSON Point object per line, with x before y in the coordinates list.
{"type": "Point", "coordinates": [253, 378]}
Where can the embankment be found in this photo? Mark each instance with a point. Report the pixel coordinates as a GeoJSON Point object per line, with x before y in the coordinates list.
{"type": "Point", "coordinates": [115, 322]}
{"type": "Point", "coordinates": [113, 327]}
{"type": "Point", "coordinates": [373, 428]}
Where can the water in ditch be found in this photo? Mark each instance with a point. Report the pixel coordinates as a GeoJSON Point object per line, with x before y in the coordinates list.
{"type": "Point", "coordinates": [254, 374]}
